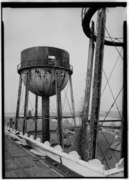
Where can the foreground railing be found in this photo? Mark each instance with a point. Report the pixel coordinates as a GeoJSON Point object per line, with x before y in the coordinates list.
{"type": "Point", "coordinates": [72, 160]}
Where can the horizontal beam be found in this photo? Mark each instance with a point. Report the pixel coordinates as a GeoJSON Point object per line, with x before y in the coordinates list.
{"type": "Point", "coordinates": [111, 127]}
{"type": "Point", "coordinates": [65, 117]}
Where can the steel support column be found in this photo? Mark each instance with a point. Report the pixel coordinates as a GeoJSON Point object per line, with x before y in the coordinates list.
{"type": "Point", "coordinates": [101, 20]}
{"type": "Point", "coordinates": [72, 99]}
{"type": "Point", "coordinates": [59, 107]}
{"type": "Point", "coordinates": [36, 113]}
{"type": "Point", "coordinates": [11, 122]}
{"type": "Point", "coordinates": [26, 105]}
{"type": "Point", "coordinates": [45, 119]}
{"type": "Point", "coordinates": [18, 102]}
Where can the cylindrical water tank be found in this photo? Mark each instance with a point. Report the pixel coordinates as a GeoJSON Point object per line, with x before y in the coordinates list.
{"type": "Point", "coordinates": [41, 64]}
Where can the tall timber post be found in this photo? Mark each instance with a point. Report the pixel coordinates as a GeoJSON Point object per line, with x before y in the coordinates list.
{"type": "Point", "coordinates": [101, 20]}
{"type": "Point", "coordinates": [85, 131]}
{"type": "Point", "coordinates": [100, 40]}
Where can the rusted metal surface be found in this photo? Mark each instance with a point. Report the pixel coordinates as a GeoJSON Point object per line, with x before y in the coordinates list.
{"type": "Point", "coordinates": [42, 80]}
{"type": "Point", "coordinates": [42, 63]}
{"type": "Point", "coordinates": [44, 57]}
{"type": "Point", "coordinates": [43, 53]}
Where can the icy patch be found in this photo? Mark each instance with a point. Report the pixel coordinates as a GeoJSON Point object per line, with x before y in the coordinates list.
{"type": "Point", "coordinates": [58, 148]}
{"type": "Point", "coordinates": [11, 130]}
{"type": "Point", "coordinates": [47, 143]}
{"type": "Point", "coordinates": [74, 154]}
{"type": "Point", "coordinates": [26, 135]}
{"type": "Point", "coordinates": [38, 139]}
{"type": "Point", "coordinates": [92, 168]}
{"type": "Point", "coordinates": [96, 163]}
{"type": "Point", "coordinates": [31, 137]}
{"type": "Point", "coordinates": [21, 133]}
{"type": "Point", "coordinates": [120, 164]}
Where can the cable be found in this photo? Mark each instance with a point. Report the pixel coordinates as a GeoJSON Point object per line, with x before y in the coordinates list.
{"type": "Point", "coordinates": [52, 107]}
{"type": "Point", "coordinates": [110, 74]}
{"type": "Point", "coordinates": [68, 102]}
{"type": "Point", "coordinates": [32, 107]}
{"type": "Point", "coordinates": [112, 94]}
{"type": "Point", "coordinates": [65, 98]}
{"type": "Point", "coordinates": [109, 146]}
{"type": "Point", "coordinates": [103, 155]}
{"type": "Point", "coordinates": [21, 110]}
{"type": "Point", "coordinates": [105, 118]}
{"type": "Point", "coordinates": [112, 105]}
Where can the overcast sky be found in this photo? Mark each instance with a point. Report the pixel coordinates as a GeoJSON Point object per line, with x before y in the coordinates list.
{"type": "Point", "coordinates": [59, 27]}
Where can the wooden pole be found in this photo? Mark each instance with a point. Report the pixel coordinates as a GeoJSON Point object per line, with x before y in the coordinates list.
{"type": "Point", "coordinates": [101, 20]}
{"type": "Point", "coordinates": [26, 104]}
{"type": "Point", "coordinates": [18, 102]}
{"type": "Point", "coordinates": [72, 99]}
{"type": "Point", "coordinates": [88, 78]}
{"type": "Point", "coordinates": [36, 113]}
{"type": "Point", "coordinates": [45, 119]}
{"type": "Point", "coordinates": [59, 106]}
{"type": "Point", "coordinates": [85, 133]}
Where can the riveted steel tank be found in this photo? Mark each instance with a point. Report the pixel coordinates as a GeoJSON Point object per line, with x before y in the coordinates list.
{"type": "Point", "coordinates": [38, 70]}
{"type": "Point", "coordinates": [41, 63]}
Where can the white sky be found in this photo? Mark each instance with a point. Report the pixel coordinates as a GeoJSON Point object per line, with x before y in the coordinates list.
{"type": "Point", "coordinates": [60, 28]}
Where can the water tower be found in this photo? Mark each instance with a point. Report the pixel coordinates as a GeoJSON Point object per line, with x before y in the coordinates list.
{"type": "Point", "coordinates": [45, 72]}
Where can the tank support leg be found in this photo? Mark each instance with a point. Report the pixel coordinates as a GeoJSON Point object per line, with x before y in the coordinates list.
{"type": "Point", "coordinates": [26, 105]}
{"type": "Point", "coordinates": [59, 107]}
{"type": "Point", "coordinates": [45, 119]}
{"type": "Point", "coordinates": [72, 100]}
{"type": "Point", "coordinates": [36, 113]}
{"type": "Point", "coordinates": [11, 122]}
{"type": "Point", "coordinates": [18, 103]}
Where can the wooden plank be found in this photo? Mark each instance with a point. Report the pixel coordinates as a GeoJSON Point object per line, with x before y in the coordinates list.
{"type": "Point", "coordinates": [85, 133]}
{"type": "Point", "coordinates": [101, 19]}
